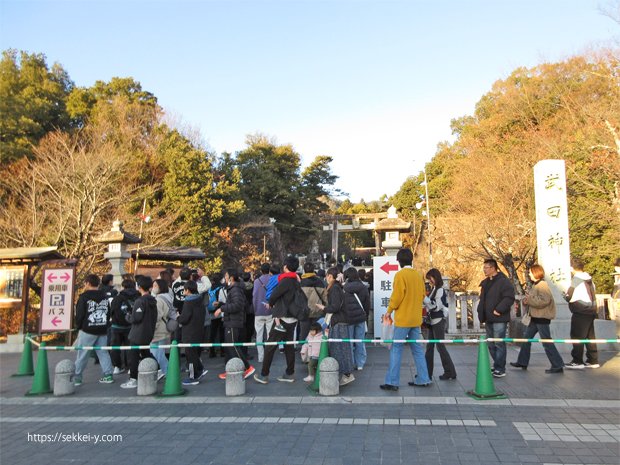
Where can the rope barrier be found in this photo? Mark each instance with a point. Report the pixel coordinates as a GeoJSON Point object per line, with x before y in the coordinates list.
{"type": "Point", "coordinates": [365, 341]}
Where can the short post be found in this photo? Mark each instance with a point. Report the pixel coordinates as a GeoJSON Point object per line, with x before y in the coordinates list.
{"type": "Point", "coordinates": [235, 384]}
{"type": "Point", "coordinates": [147, 377]}
{"type": "Point", "coordinates": [329, 381]}
{"type": "Point", "coordinates": [63, 374]}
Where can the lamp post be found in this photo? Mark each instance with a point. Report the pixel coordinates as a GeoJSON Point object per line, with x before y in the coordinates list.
{"type": "Point", "coordinates": [427, 213]}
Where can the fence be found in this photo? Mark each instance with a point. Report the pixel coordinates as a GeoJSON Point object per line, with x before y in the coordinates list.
{"type": "Point", "coordinates": [463, 318]}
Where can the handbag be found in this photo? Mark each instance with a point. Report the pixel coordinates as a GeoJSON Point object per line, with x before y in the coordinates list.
{"type": "Point", "coordinates": [171, 325]}
{"type": "Point", "coordinates": [526, 318]}
{"type": "Point", "coordinates": [387, 330]}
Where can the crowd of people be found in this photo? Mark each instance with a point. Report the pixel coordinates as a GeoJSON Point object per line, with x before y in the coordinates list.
{"type": "Point", "coordinates": [234, 307]}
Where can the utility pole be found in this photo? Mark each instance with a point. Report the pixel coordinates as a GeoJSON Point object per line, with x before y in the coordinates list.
{"type": "Point", "coordinates": [428, 220]}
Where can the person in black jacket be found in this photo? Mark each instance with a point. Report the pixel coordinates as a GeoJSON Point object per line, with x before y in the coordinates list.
{"type": "Point", "coordinates": [497, 296]}
{"type": "Point", "coordinates": [338, 326]}
{"type": "Point", "coordinates": [120, 307]}
{"type": "Point", "coordinates": [192, 320]}
{"type": "Point", "coordinates": [107, 286]}
{"type": "Point", "coordinates": [280, 300]}
{"type": "Point", "coordinates": [356, 307]}
{"type": "Point", "coordinates": [234, 319]}
{"type": "Point", "coordinates": [91, 319]}
{"type": "Point", "coordinates": [143, 318]}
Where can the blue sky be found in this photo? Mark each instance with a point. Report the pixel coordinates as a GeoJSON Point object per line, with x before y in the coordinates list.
{"type": "Point", "coordinates": [374, 84]}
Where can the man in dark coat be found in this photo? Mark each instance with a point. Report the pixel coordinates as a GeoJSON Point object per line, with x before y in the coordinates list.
{"type": "Point", "coordinates": [234, 319]}
{"type": "Point", "coordinates": [192, 320]}
{"type": "Point", "coordinates": [497, 296]}
{"type": "Point", "coordinates": [143, 318]}
{"type": "Point", "coordinates": [281, 300]}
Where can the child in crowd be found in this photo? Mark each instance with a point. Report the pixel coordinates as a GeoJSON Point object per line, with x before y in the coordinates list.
{"type": "Point", "coordinates": [311, 349]}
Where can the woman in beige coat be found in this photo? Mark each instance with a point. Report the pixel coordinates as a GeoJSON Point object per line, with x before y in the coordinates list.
{"type": "Point", "coordinates": [542, 311]}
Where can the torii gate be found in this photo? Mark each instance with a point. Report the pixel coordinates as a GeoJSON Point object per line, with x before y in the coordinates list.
{"type": "Point", "coordinates": [356, 225]}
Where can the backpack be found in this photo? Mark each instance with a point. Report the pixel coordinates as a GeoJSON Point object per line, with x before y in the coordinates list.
{"type": "Point", "coordinates": [179, 297]}
{"type": "Point", "coordinates": [170, 319]}
{"type": "Point", "coordinates": [213, 292]}
{"type": "Point", "coordinates": [585, 308]}
{"type": "Point", "coordinates": [299, 307]}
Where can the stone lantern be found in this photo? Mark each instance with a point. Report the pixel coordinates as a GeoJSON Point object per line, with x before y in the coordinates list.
{"type": "Point", "coordinates": [117, 254]}
{"type": "Point", "coordinates": [392, 226]}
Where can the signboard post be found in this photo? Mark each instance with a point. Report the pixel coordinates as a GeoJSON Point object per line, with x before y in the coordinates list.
{"type": "Point", "coordinates": [57, 299]}
{"type": "Point", "coordinates": [384, 270]}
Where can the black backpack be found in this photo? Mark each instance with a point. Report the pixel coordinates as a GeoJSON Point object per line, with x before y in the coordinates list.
{"type": "Point", "coordinates": [299, 307]}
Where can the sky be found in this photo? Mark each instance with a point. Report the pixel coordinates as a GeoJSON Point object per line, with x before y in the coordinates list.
{"type": "Point", "coordinates": [373, 84]}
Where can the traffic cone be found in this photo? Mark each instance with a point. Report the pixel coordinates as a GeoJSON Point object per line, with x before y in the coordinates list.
{"type": "Point", "coordinates": [323, 353]}
{"type": "Point", "coordinates": [26, 366]}
{"type": "Point", "coordinates": [173, 386]}
{"type": "Point", "coordinates": [41, 381]}
{"type": "Point", "coordinates": [485, 388]}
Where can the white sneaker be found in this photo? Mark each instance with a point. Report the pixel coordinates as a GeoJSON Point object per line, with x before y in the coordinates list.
{"type": "Point", "coordinates": [118, 371]}
{"type": "Point", "coordinates": [346, 379]}
{"type": "Point", "coordinates": [592, 365]}
{"type": "Point", "coordinates": [309, 379]}
{"type": "Point", "coordinates": [131, 384]}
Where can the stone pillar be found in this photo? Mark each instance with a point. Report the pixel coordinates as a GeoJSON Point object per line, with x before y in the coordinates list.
{"type": "Point", "coordinates": [553, 246]}
{"type": "Point", "coordinates": [329, 378]}
{"type": "Point", "coordinates": [63, 382]}
{"type": "Point", "coordinates": [147, 377]}
{"type": "Point", "coordinates": [235, 384]}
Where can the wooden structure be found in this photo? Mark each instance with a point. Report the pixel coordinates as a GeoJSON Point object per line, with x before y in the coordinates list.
{"type": "Point", "coordinates": [358, 223]}
{"type": "Point", "coordinates": [386, 221]}
{"type": "Point", "coordinates": [16, 278]}
{"type": "Point", "coordinates": [157, 258]}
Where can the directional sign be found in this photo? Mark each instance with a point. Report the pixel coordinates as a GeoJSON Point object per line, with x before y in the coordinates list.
{"type": "Point", "coordinates": [384, 270]}
{"type": "Point", "coordinates": [57, 299]}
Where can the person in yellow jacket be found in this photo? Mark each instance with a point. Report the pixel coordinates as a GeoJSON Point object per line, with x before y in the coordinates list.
{"type": "Point", "coordinates": [406, 304]}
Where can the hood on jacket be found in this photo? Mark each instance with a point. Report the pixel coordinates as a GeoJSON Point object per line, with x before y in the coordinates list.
{"type": "Point", "coordinates": [130, 293]}
{"type": "Point", "coordinates": [311, 280]}
{"type": "Point", "coordinates": [354, 287]}
{"type": "Point", "coordinates": [290, 274]}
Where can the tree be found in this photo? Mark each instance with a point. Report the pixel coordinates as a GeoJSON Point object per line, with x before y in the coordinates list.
{"type": "Point", "coordinates": [83, 103]}
{"type": "Point", "coordinates": [273, 187]}
{"type": "Point", "coordinates": [567, 110]}
{"type": "Point", "coordinates": [76, 183]}
{"type": "Point", "coordinates": [32, 102]}
{"type": "Point", "coordinates": [206, 199]}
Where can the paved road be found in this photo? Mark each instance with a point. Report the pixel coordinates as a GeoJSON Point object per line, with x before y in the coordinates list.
{"type": "Point", "coordinates": [562, 419]}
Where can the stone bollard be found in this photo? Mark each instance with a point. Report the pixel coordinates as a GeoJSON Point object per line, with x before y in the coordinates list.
{"type": "Point", "coordinates": [147, 377]}
{"type": "Point", "coordinates": [235, 384]}
{"type": "Point", "coordinates": [63, 378]}
{"type": "Point", "coordinates": [329, 377]}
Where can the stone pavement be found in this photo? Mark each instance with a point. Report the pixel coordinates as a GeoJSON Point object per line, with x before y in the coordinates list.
{"type": "Point", "coordinates": [572, 418]}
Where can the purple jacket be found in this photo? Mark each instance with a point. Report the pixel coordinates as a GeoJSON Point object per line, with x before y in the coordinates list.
{"type": "Point", "coordinates": [258, 296]}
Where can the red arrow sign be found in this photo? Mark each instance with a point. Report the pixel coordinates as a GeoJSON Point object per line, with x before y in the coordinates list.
{"type": "Point", "coordinates": [387, 267]}
{"type": "Point", "coordinates": [56, 321]}
{"type": "Point", "coordinates": [52, 277]}
{"type": "Point", "coordinates": [65, 277]}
